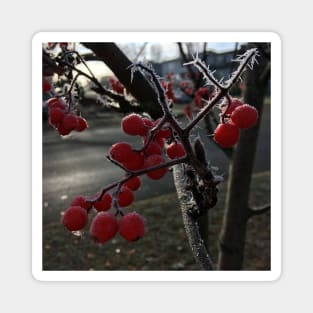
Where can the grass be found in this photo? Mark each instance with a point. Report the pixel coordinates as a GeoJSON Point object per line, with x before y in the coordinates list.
{"type": "Point", "coordinates": [165, 246]}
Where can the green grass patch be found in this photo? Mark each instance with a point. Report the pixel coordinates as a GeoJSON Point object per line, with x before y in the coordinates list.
{"type": "Point", "coordinates": [165, 245]}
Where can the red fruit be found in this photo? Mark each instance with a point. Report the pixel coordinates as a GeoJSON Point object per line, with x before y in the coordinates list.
{"type": "Point", "coordinates": [233, 105]}
{"type": "Point", "coordinates": [159, 140]}
{"type": "Point", "coordinates": [46, 86]}
{"type": "Point", "coordinates": [226, 135]}
{"type": "Point", "coordinates": [125, 197]}
{"type": "Point", "coordinates": [103, 227]}
{"type": "Point", "coordinates": [81, 124]}
{"type": "Point", "coordinates": [133, 125]}
{"type": "Point", "coordinates": [163, 133]}
{"type": "Point", "coordinates": [120, 151]}
{"type": "Point", "coordinates": [70, 121]}
{"type": "Point", "coordinates": [132, 226]}
{"type": "Point", "coordinates": [133, 184]}
{"type": "Point", "coordinates": [75, 218]}
{"type": "Point", "coordinates": [135, 161]}
{"type": "Point", "coordinates": [153, 148]}
{"type": "Point", "coordinates": [104, 204]}
{"type": "Point", "coordinates": [153, 160]}
{"type": "Point", "coordinates": [55, 103]}
{"type": "Point", "coordinates": [81, 201]}
{"type": "Point", "coordinates": [63, 130]}
{"type": "Point", "coordinates": [175, 150]}
{"type": "Point", "coordinates": [245, 116]}
{"type": "Point", "coordinates": [56, 116]}
{"type": "Point", "coordinates": [148, 123]}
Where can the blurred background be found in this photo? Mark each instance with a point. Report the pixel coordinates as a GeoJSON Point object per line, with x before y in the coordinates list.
{"type": "Point", "coordinates": [76, 165]}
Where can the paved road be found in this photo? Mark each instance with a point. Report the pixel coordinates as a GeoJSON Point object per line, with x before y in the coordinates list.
{"type": "Point", "coordinates": [77, 164]}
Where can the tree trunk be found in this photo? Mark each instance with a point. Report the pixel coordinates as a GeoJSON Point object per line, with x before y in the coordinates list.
{"type": "Point", "coordinates": [241, 167]}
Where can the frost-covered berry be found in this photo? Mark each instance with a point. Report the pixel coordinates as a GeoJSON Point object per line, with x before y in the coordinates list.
{"type": "Point", "coordinates": [153, 160]}
{"type": "Point", "coordinates": [104, 204]}
{"type": "Point", "coordinates": [233, 105]}
{"type": "Point", "coordinates": [133, 184]}
{"type": "Point", "coordinates": [133, 124]}
{"type": "Point", "coordinates": [75, 218]}
{"type": "Point", "coordinates": [175, 150]}
{"type": "Point", "coordinates": [81, 201]}
{"type": "Point", "coordinates": [81, 124]}
{"type": "Point", "coordinates": [226, 135]}
{"type": "Point", "coordinates": [132, 226]}
{"type": "Point", "coordinates": [120, 151]}
{"type": "Point", "coordinates": [244, 116]}
{"type": "Point", "coordinates": [103, 227]}
{"type": "Point", "coordinates": [125, 197]}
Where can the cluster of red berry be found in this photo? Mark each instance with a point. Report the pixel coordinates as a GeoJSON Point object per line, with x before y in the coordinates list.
{"type": "Point", "coordinates": [239, 116]}
{"type": "Point", "coordinates": [131, 226]}
{"type": "Point", "coordinates": [63, 119]}
{"type": "Point", "coordinates": [104, 225]}
{"type": "Point", "coordinates": [154, 145]}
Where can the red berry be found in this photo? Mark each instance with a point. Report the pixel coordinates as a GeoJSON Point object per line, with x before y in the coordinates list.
{"type": "Point", "coordinates": [245, 116]}
{"type": "Point", "coordinates": [56, 103]}
{"type": "Point", "coordinates": [81, 124]}
{"type": "Point", "coordinates": [132, 226]}
{"type": "Point", "coordinates": [81, 201]}
{"type": "Point", "coordinates": [75, 218]}
{"type": "Point", "coordinates": [163, 133]}
{"type": "Point", "coordinates": [148, 123]}
{"type": "Point", "coordinates": [233, 105]}
{"type": "Point", "coordinates": [46, 86]}
{"type": "Point", "coordinates": [125, 197]}
{"type": "Point", "coordinates": [175, 150]}
{"type": "Point", "coordinates": [70, 121]}
{"type": "Point", "coordinates": [104, 204]}
{"type": "Point", "coordinates": [153, 160]}
{"type": "Point", "coordinates": [103, 227]}
{"type": "Point", "coordinates": [63, 130]}
{"type": "Point", "coordinates": [135, 161]}
{"type": "Point", "coordinates": [226, 135]}
{"type": "Point", "coordinates": [133, 184]}
{"type": "Point", "coordinates": [134, 125]}
{"type": "Point", "coordinates": [153, 148]}
{"type": "Point", "coordinates": [56, 116]}
{"type": "Point", "coordinates": [120, 151]}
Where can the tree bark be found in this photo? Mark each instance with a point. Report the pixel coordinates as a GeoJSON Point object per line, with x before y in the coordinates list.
{"type": "Point", "coordinates": [196, 242]}
{"type": "Point", "coordinates": [232, 239]}
{"type": "Point", "coordinates": [139, 87]}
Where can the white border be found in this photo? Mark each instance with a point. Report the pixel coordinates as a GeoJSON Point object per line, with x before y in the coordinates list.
{"type": "Point", "coordinates": [276, 148]}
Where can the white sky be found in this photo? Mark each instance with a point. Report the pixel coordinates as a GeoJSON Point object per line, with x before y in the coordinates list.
{"type": "Point", "coordinates": [168, 51]}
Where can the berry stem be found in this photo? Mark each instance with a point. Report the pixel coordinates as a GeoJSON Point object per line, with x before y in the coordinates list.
{"type": "Point", "coordinates": [223, 90]}
{"type": "Point", "coordinates": [131, 174]}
